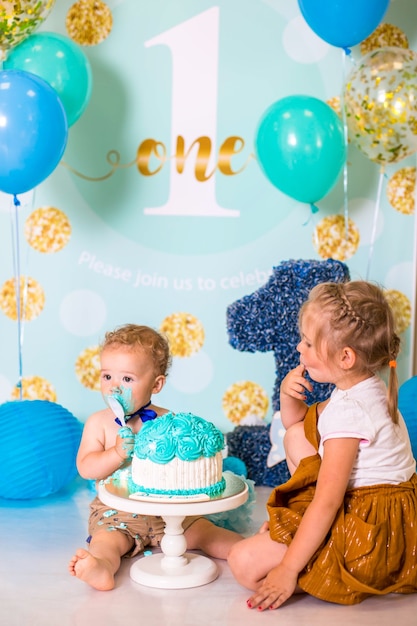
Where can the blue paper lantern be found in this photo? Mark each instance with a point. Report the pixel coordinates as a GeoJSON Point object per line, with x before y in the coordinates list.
{"type": "Point", "coordinates": [407, 404]}
{"type": "Point", "coordinates": [38, 446]}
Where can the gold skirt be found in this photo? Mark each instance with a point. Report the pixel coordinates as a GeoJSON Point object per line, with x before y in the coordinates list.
{"type": "Point", "coordinates": [371, 548]}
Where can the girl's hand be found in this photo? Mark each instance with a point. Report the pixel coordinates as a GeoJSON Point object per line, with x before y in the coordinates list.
{"type": "Point", "coordinates": [277, 587]}
{"type": "Point", "coordinates": [125, 442]}
{"type": "Point", "coordinates": [295, 383]}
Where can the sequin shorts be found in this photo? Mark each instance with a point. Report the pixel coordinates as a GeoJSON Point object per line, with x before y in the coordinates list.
{"type": "Point", "coordinates": [145, 530]}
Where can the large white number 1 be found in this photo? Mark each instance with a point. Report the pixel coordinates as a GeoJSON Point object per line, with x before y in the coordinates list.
{"type": "Point", "coordinates": [194, 49]}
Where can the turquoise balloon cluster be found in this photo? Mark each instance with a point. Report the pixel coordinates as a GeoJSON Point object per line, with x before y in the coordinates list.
{"type": "Point", "coordinates": [300, 141]}
{"type": "Point", "coordinates": [45, 87]}
{"type": "Point", "coordinates": [61, 63]}
{"type": "Point", "coordinates": [300, 146]}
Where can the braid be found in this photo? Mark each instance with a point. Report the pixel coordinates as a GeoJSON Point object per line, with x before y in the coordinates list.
{"type": "Point", "coordinates": [359, 316]}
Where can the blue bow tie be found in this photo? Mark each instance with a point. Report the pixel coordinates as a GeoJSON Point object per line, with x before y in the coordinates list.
{"type": "Point", "coordinates": [144, 413]}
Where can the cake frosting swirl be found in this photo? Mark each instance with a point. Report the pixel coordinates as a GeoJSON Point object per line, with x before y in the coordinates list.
{"type": "Point", "coordinates": [178, 454]}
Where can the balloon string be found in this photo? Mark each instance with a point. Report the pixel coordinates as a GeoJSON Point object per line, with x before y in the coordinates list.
{"type": "Point", "coordinates": [345, 136]}
{"type": "Point", "coordinates": [16, 269]}
{"type": "Point", "coordinates": [375, 222]}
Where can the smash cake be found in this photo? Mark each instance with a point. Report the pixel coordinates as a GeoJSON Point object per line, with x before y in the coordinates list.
{"type": "Point", "coordinates": [176, 456]}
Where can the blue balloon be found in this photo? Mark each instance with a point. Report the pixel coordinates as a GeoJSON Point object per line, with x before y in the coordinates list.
{"type": "Point", "coordinates": [407, 404]}
{"type": "Point", "coordinates": [343, 23]}
{"type": "Point", "coordinates": [38, 446]}
{"type": "Point", "coordinates": [33, 131]}
{"type": "Point", "coordinates": [300, 146]}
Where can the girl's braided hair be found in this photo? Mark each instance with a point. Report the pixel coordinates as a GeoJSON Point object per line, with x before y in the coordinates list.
{"type": "Point", "coordinates": [357, 314]}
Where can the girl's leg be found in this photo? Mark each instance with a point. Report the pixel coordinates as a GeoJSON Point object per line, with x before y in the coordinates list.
{"type": "Point", "coordinates": [296, 446]}
{"type": "Point", "coordinates": [98, 565]}
{"type": "Point", "coordinates": [251, 559]}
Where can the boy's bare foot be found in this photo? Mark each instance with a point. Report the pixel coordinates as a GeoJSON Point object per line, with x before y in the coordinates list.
{"type": "Point", "coordinates": [91, 570]}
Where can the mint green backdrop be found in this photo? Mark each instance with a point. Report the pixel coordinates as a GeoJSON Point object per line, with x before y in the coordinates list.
{"type": "Point", "coordinates": [144, 247]}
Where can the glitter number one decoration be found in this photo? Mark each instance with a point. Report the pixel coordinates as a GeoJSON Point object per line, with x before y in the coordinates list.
{"type": "Point", "coordinates": [196, 112]}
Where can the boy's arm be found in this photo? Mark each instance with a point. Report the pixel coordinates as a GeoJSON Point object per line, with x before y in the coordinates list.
{"type": "Point", "coordinates": [94, 461]}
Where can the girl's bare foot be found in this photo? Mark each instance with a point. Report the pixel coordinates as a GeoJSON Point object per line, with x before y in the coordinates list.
{"type": "Point", "coordinates": [91, 570]}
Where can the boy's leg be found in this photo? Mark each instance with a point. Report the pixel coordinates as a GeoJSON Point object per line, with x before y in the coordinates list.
{"type": "Point", "coordinates": [98, 565]}
{"type": "Point", "coordinates": [211, 539]}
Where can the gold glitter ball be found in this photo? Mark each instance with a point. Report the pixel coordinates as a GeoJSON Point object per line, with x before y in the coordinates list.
{"type": "Point", "coordinates": [243, 400]}
{"type": "Point", "coordinates": [383, 36]}
{"type": "Point", "coordinates": [334, 103]}
{"type": "Point", "coordinates": [19, 19]}
{"type": "Point", "coordinates": [185, 334]}
{"type": "Point", "coordinates": [401, 189]}
{"type": "Point", "coordinates": [32, 299]}
{"type": "Point", "coordinates": [87, 368]}
{"type": "Point", "coordinates": [89, 22]}
{"type": "Point", "coordinates": [401, 309]}
{"type": "Point", "coordinates": [47, 230]}
{"type": "Point", "coordinates": [329, 238]}
{"type": "Point", "coordinates": [35, 388]}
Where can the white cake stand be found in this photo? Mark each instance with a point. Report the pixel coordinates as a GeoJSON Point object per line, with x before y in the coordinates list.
{"type": "Point", "coordinates": [174, 568]}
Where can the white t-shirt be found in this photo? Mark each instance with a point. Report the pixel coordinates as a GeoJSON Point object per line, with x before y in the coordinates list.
{"type": "Point", "coordinates": [384, 454]}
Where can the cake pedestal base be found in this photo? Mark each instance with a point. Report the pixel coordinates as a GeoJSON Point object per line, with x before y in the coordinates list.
{"type": "Point", "coordinates": [174, 568]}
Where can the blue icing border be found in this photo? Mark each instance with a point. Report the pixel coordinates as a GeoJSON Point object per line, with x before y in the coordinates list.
{"type": "Point", "coordinates": [212, 490]}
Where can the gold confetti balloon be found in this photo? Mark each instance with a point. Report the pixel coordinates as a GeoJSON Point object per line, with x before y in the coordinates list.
{"type": "Point", "coordinates": [47, 230]}
{"type": "Point", "coordinates": [385, 35]}
{"type": "Point", "coordinates": [185, 334]}
{"type": "Point", "coordinates": [380, 98]}
{"type": "Point", "coordinates": [31, 301]}
{"type": "Point", "coordinates": [401, 190]}
{"type": "Point", "coordinates": [89, 22]}
{"type": "Point", "coordinates": [87, 368]}
{"type": "Point", "coordinates": [401, 309]}
{"type": "Point", "coordinates": [20, 19]}
{"type": "Point", "coordinates": [330, 240]}
{"type": "Point", "coordinates": [35, 388]}
{"type": "Point", "coordinates": [245, 399]}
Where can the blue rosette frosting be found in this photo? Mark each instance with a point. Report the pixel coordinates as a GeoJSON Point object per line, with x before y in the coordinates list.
{"type": "Point", "coordinates": [182, 435]}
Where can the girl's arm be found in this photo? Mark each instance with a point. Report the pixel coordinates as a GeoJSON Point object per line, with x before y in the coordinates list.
{"type": "Point", "coordinates": [333, 478]}
{"type": "Point", "coordinates": [292, 395]}
{"type": "Point", "coordinates": [94, 461]}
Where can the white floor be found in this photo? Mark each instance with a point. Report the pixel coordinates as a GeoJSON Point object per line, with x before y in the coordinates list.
{"type": "Point", "coordinates": [38, 538]}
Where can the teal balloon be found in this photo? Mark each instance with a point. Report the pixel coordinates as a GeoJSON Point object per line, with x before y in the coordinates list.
{"type": "Point", "coordinates": [300, 146]}
{"type": "Point", "coordinates": [61, 63]}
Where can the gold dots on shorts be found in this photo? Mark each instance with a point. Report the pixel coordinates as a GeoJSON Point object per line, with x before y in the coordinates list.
{"type": "Point", "coordinates": [385, 35]}
{"type": "Point", "coordinates": [401, 309]}
{"type": "Point", "coordinates": [32, 298]}
{"type": "Point", "coordinates": [401, 189]}
{"type": "Point", "coordinates": [47, 230]}
{"type": "Point", "coordinates": [87, 368]}
{"type": "Point", "coordinates": [244, 400]}
{"type": "Point", "coordinates": [185, 334]}
{"type": "Point", "coordinates": [89, 22]}
{"type": "Point", "coordinates": [329, 238]}
{"type": "Point", "coordinates": [35, 388]}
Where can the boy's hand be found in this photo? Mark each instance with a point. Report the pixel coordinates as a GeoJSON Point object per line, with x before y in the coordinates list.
{"type": "Point", "coordinates": [125, 442]}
